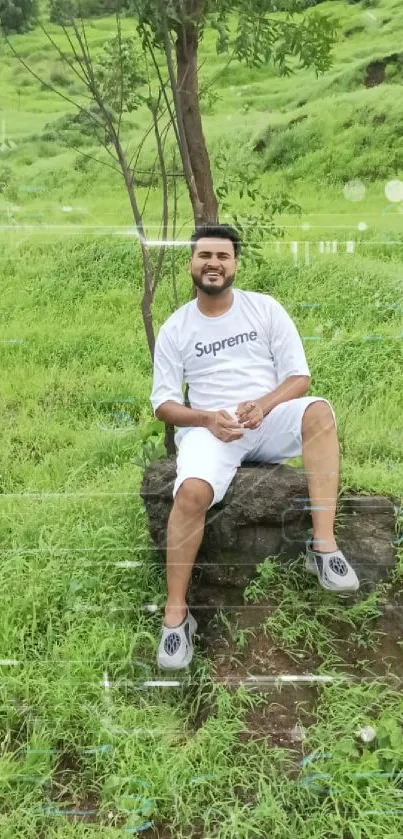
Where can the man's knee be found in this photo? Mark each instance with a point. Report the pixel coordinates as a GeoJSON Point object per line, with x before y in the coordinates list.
{"type": "Point", "coordinates": [194, 495]}
{"type": "Point", "coordinates": [318, 413]}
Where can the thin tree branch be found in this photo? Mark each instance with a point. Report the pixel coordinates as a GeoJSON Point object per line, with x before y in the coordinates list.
{"type": "Point", "coordinates": [81, 19]}
{"type": "Point", "coordinates": [149, 188]}
{"type": "Point", "coordinates": [142, 143]}
{"type": "Point", "coordinates": [173, 266]}
{"type": "Point", "coordinates": [80, 108]}
{"type": "Point", "coordinates": [128, 179]}
{"type": "Point", "coordinates": [61, 53]}
{"type": "Point", "coordinates": [140, 146]}
{"type": "Point", "coordinates": [152, 173]}
{"type": "Point", "coordinates": [215, 78]}
{"type": "Point", "coordinates": [185, 223]}
{"type": "Point", "coordinates": [149, 130]}
{"type": "Point", "coordinates": [160, 148]}
{"type": "Point", "coordinates": [162, 85]}
{"type": "Point", "coordinates": [150, 105]}
{"type": "Point", "coordinates": [72, 45]}
{"type": "Point", "coordinates": [119, 29]}
{"type": "Point", "coordinates": [49, 86]}
{"type": "Point", "coordinates": [91, 157]}
{"type": "Point", "coordinates": [108, 121]}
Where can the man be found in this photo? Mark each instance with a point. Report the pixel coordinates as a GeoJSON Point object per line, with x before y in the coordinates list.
{"type": "Point", "coordinates": [245, 365]}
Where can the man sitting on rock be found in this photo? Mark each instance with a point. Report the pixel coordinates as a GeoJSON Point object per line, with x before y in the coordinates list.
{"type": "Point", "coordinates": [243, 360]}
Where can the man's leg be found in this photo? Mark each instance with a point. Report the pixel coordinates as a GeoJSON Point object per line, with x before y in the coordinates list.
{"type": "Point", "coordinates": [320, 454]}
{"type": "Point", "coordinates": [184, 536]}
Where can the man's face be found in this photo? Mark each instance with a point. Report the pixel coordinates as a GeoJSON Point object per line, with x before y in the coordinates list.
{"type": "Point", "coordinates": [213, 265]}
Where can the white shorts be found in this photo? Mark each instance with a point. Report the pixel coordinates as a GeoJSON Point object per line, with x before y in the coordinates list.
{"type": "Point", "coordinates": [278, 439]}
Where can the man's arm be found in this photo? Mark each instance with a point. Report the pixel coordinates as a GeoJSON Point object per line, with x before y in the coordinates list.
{"type": "Point", "coordinates": [292, 388]}
{"type": "Point", "coordinates": [293, 374]}
{"type": "Point", "coordinates": [166, 396]}
{"type": "Point", "coordinates": [174, 414]}
{"type": "Point", "coordinates": [290, 361]}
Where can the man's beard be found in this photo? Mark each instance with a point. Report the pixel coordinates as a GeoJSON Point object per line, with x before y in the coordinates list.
{"type": "Point", "coordinates": [209, 287]}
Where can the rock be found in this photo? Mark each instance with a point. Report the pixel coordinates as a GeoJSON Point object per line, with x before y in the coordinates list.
{"type": "Point", "coordinates": [367, 734]}
{"type": "Point", "coordinates": [266, 512]}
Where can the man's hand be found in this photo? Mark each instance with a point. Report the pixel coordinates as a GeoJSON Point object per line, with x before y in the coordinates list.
{"type": "Point", "coordinates": [223, 426]}
{"type": "Point", "coordinates": [250, 414]}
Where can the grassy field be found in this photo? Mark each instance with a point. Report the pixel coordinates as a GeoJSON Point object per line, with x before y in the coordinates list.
{"type": "Point", "coordinates": [93, 741]}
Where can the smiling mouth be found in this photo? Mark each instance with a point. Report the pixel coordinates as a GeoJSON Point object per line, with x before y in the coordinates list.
{"type": "Point", "coordinates": [212, 274]}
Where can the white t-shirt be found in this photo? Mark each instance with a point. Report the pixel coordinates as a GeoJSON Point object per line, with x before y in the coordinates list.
{"type": "Point", "coordinates": [243, 354]}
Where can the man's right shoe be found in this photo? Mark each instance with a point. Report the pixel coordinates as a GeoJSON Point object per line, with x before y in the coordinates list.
{"type": "Point", "coordinates": [175, 649]}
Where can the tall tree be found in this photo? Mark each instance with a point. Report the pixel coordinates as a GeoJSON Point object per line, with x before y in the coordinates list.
{"type": "Point", "coordinates": [251, 31]}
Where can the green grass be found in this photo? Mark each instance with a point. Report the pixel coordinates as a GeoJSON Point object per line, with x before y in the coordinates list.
{"type": "Point", "coordinates": [78, 727]}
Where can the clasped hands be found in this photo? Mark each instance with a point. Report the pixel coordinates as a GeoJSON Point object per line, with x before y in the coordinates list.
{"type": "Point", "coordinates": [249, 415]}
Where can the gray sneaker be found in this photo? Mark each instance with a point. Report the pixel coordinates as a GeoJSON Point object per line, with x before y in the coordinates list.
{"type": "Point", "coordinates": [332, 569]}
{"type": "Point", "coordinates": [175, 649]}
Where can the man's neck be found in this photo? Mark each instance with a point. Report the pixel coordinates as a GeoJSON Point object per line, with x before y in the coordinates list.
{"type": "Point", "coordinates": [213, 307]}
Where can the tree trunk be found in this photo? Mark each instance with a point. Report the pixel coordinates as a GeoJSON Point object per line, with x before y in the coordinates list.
{"type": "Point", "coordinates": [186, 46]}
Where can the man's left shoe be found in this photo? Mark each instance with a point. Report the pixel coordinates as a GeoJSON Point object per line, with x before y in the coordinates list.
{"type": "Point", "coordinates": [332, 569]}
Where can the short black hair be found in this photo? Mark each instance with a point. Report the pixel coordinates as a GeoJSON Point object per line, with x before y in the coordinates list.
{"type": "Point", "coordinates": [217, 231]}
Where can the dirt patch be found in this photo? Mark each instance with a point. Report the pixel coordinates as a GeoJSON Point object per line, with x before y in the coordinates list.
{"type": "Point", "coordinates": [379, 119]}
{"type": "Point", "coordinates": [61, 801]}
{"type": "Point", "coordinates": [260, 146]}
{"type": "Point", "coordinates": [68, 766]}
{"type": "Point", "coordinates": [86, 809]}
{"type": "Point", "coordinates": [204, 600]}
{"type": "Point", "coordinates": [375, 72]}
{"type": "Point", "coordinates": [288, 707]}
{"type": "Point", "coordinates": [163, 831]}
{"type": "Point", "coordinates": [296, 120]}
{"type": "Point", "coordinates": [386, 662]}
{"type": "Point", "coordinates": [159, 830]}
{"type": "Point", "coordinates": [353, 30]}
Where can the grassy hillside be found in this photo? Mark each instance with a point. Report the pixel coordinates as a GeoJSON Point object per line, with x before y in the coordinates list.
{"type": "Point", "coordinates": [92, 741]}
{"type": "Point", "coordinates": [327, 130]}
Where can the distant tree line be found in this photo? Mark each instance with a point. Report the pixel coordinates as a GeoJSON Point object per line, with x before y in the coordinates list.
{"type": "Point", "coordinates": [60, 10]}
{"type": "Point", "coordinates": [19, 15]}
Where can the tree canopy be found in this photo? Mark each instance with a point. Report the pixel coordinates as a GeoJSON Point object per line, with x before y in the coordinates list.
{"type": "Point", "coordinates": [17, 15]}
{"type": "Point", "coordinates": [261, 36]}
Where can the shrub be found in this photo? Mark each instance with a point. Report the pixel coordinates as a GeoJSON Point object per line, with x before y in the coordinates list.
{"type": "Point", "coordinates": [17, 15]}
